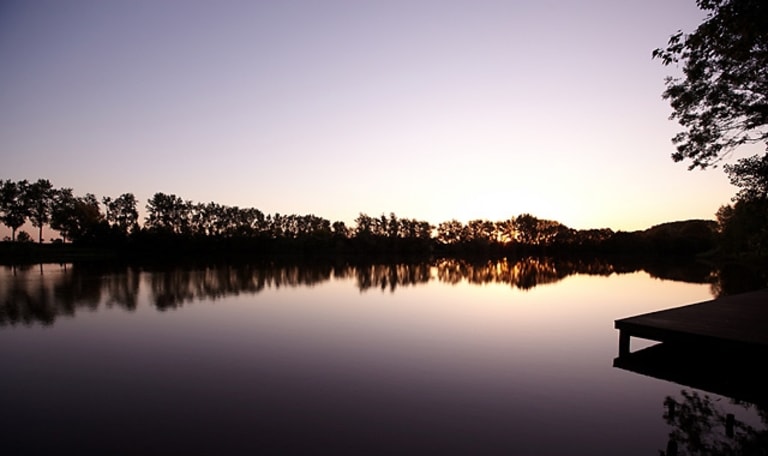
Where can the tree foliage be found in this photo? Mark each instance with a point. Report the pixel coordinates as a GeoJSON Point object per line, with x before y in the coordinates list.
{"type": "Point", "coordinates": [77, 218]}
{"type": "Point", "coordinates": [722, 99]}
{"type": "Point", "coordinates": [39, 202]}
{"type": "Point", "coordinates": [751, 176]}
{"type": "Point", "coordinates": [744, 227]}
{"type": "Point", "coordinates": [121, 213]}
{"type": "Point", "coordinates": [168, 213]}
{"type": "Point", "coordinates": [13, 204]}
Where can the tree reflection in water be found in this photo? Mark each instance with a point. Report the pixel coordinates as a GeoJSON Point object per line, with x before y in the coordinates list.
{"type": "Point", "coordinates": [390, 276]}
{"type": "Point", "coordinates": [31, 297]}
{"type": "Point", "coordinates": [27, 301]}
{"type": "Point", "coordinates": [701, 426]}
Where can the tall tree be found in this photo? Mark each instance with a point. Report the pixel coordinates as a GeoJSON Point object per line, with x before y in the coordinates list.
{"type": "Point", "coordinates": [121, 212]}
{"type": "Point", "coordinates": [62, 211]}
{"type": "Point", "coordinates": [722, 99]}
{"type": "Point", "coordinates": [744, 226]}
{"type": "Point", "coordinates": [363, 225]}
{"type": "Point", "coordinates": [451, 232]}
{"type": "Point", "coordinates": [169, 213]}
{"type": "Point", "coordinates": [39, 197]}
{"type": "Point", "coordinates": [14, 209]}
{"type": "Point", "coordinates": [75, 217]}
{"type": "Point", "coordinates": [527, 229]}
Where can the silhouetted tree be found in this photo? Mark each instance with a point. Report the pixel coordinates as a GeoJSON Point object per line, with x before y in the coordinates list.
{"type": "Point", "coordinates": [593, 237]}
{"type": "Point", "coordinates": [722, 104]}
{"type": "Point", "coordinates": [340, 229]}
{"type": "Point", "coordinates": [62, 211]}
{"type": "Point", "coordinates": [88, 217]}
{"type": "Point", "coordinates": [505, 231]}
{"type": "Point", "coordinates": [450, 232]}
{"type": "Point", "coordinates": [121, 213]}
{"type": "Point", "coordinates": [364, 226]}
{"type": "Point", "coordinates": [76, 218]}
{"type": "Point", "coordinates": [393, 227]}
{"type": "Point", "coordinates": [527, 229]}
{"type": "Point", "coordinates": [168, 213]}
{"type": "Point", "coordinates": [552, 232]}
{"type": "Point", "coordinates": [39, 197]}
{"type": "Point", "coordinates": [750, 175]}
{"type": "Point", "coordinates": [479, 231]}
{"type": "Point", "coordinates": [14, 208]}
{"type": "Point", "coordinates": [722, 100]}
{"type": "Point", "coordinates": [278, 225]}
{"type": "Point", "coordinates": [744, 227]}
{"type": "Point", "coordinates": [259, 223]}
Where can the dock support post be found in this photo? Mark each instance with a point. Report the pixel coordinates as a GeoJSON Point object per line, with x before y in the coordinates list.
{"type": "Point", "coordinates": [623, 343]}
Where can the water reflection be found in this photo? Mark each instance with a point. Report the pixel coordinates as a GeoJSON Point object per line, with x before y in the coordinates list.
{"type": "Point", "coordinates": [38, 294]}
{"type": "Point", "coordinates": [341, 359]}
{"type": "Point", "coordinates": [26, 302]}
{"type": "Point", "coordinates": [390, 276]}
{"type": "Point", "coordinates": [702, 425]}
{"type": "Point", "coordinates": [733, 421]}
{"type": "Point", "coordinates": [524, 273]}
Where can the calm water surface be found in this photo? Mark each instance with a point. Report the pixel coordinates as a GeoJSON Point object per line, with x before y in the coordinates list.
{"type": "Point", "coordinates": [420, 359]}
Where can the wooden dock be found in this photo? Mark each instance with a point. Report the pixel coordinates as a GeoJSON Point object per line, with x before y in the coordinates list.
{"type": "Point", "coordinates": [736, 323]}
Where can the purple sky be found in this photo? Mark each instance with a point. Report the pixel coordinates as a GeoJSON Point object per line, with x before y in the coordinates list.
{"type": "Point", "coordinates": [430, 109]}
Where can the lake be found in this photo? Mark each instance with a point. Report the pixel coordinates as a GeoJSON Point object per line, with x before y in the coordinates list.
{"type": "Point", "coordinates": [447, 357]}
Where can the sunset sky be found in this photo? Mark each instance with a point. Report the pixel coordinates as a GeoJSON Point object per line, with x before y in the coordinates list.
{"type": "Point", "coordinates": [429, 109]}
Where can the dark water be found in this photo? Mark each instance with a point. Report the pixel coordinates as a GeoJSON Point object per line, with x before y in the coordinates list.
{"type": "Point", "coordinates": [444, 358]}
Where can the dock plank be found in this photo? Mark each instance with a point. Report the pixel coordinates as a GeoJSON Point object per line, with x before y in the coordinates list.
{"type": "Point", "coordinates": [737, 321]}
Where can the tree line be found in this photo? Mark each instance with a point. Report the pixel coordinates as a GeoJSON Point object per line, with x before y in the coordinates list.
{"type": "Point", "coordinates": [76, 218]}
{"type": "Point", "coordinates": [172, 222]}
{"type": "Point", "coordinates": [721, 103]}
